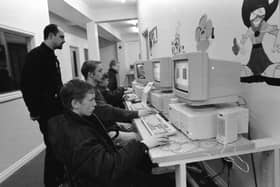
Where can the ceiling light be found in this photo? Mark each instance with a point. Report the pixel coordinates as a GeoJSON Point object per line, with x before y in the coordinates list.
{"type": "Point", "coordinates": [123, 1]}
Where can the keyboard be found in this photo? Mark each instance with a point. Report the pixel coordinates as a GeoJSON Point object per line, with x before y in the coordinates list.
{"type": "Point", "coordinates": [131, 96]}
{"type": "Point", "coordinates": [156, 125]}
{"type": "Point", "coordinates": [138, 106]}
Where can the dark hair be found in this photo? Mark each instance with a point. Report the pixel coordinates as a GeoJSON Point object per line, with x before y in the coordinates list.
{"type": "Point", "coordinates": [51, 28]}
{"type": "Point", "coordinates": [74, 89]}
{"type": "Point", "coordinates": [89, 66]}
{"type": "Point", "coordinates": [105, 76]}
{"type": "Point", "coordinates": [112, 63]}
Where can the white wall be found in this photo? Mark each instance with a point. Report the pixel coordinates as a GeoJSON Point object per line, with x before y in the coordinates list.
{"type": "Point", "coordinates": [127, 55]}
{"type": "Point", "coordinates": [263, 100]}
{"type": "Point", "coordinates": [107, 54]}
{"type": "Point", "coordinates": [74, 36]}
{"type": "Point", "coordinates": [18, 134]}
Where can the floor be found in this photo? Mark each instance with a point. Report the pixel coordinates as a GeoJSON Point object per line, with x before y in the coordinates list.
{"type": "Point", "coordinates": [30, 175]}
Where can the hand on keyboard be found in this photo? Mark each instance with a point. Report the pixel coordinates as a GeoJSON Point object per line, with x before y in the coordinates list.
{"type": "Point", "coordinates": [156, 125]}
{"type": "Point", "coordinates": [146, 112]}
{"type": "Point", "coordinates": [154, 141]}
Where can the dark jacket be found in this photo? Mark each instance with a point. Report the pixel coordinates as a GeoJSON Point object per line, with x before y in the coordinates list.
{"type": "Point", "coordinates": [113, 97]}
{"type": "Point", "coordinates": [109, 114]}
{"type": "Point", "coordinates": [41, 83]}
{"type": "Point", "coordinates": [89, 154]}
{"type": "Point", "coordinates": [113, 81]}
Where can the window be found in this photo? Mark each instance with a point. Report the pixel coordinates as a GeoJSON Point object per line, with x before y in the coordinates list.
{"type": "Point", "coordinates": [13, 49]}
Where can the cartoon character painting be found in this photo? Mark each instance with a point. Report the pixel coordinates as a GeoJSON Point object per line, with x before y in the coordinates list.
{"type": "Point", "coordinates": [255, 16]}
{"type": "Point", "coordinates": [203, 33]}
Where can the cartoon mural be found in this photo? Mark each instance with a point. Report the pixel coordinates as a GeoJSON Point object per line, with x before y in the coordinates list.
{"type": "Point", "coordinates": [176, 47]}
{"type": "Point", "coordinates": [203, 33]}
{"type": "Point", "coordinates": [255, 16]}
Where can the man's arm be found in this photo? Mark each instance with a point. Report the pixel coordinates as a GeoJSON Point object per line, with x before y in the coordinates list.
{"type": "Point", "coordinates": [109, 113]}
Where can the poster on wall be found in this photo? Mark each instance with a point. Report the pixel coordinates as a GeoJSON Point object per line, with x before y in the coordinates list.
{"type": "Point", "coordinates": [153, 38]}
{"type": "Point", "coordinates": [203, 33]}
{"type": "Point", "coordinates": [259, 68]}
{"type": "Point", "coordinates": [176, 47]}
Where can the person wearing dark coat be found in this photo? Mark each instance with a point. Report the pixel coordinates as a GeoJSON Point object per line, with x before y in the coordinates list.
{"type": "Point", "coordinates": [93, 73]}
{"type": "Point", "coordinates": [40, 85]}
{"type": "Point", "coordinates": [115, 97]}
{"type": "Point", "coordinates": [79, 140]}
{"type": "Point", "coordinates": [113, 75]}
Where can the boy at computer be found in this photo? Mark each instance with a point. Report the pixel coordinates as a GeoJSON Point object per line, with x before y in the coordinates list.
{"type": "Point", "coordinates": [93, 73]}
{"type": "Point", "coordinates": [113, 97]}
{"type": "Point", "coordinates": [79, 140]}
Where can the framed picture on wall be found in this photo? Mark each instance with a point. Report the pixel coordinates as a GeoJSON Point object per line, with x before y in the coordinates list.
{"type": "Point", "coordinates": [153, 36]}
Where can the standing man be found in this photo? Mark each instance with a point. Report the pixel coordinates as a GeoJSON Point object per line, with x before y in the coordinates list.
{"type": "Point", "coordinates": [40, 86]}
{"type": "Point", "coordinates": [113, 74]}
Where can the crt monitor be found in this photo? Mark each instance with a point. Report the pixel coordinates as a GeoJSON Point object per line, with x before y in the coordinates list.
{"type": "Point", "coordinates": [162, 73]}
{"type": "Point", "coordinates": [199, 80]}
{"type": "Point", "coordinates": [143, 71]}
{"type": "Point", "coordinates": [139, 72]}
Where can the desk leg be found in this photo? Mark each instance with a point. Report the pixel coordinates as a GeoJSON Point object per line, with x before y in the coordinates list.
{"type": "Point", "coordinates": [276, 168]}
{"type": "Point", "coordinates": [181, 175]}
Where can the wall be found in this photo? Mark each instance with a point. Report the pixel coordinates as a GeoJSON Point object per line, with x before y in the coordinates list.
{"type": "Point", "coordinates": [127, 55]}
{"type": "Point", "coordinates": [262, 99]}
{"type": "Point", "coordinates": [74, 36]}
{"type": "Point", "coordinates": [107, 54]}
{"type": "Point", "coordinates": [18, 134]}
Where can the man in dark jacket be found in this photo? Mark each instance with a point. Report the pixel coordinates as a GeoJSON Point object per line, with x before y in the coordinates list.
{"type": "Point", "coordinates": [113, 74]}
{"type": "Point", "coordinates": [41, 82]}
{"type": "Point", "coordinates": [93, 73]}
{"type": "Point", "coordinates": [80, 141]}
{"type": "Point", "coordinates": [113, 97]}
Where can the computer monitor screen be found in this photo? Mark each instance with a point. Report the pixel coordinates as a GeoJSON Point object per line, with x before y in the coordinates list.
{"type": "Point", "coordinates": [156, 71]}
{"type": "Point", "coordinates": [162, 73]}
{"type": "Point", "coordinates": [181, 76]}
{"type": "Point", "coordinates": [140, 73]}
{"type": "Point", "coordinates": [199, 80]}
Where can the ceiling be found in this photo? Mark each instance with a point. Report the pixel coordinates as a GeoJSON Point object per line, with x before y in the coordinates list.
{"type": "Point", "coordinates": [101, 4]}
{"type": "Point", "coordinates": [123, 26]}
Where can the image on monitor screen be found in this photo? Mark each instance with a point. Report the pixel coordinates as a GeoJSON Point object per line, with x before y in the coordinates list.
{"type": "Point", "coordinates": [181, 75]}
{"type": "Point", "coordinates": [156, 71]}
{"type": "Point", "coordinates": [140, 71]}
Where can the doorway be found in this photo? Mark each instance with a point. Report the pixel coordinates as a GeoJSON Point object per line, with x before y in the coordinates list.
{"type": "Point", "coordinates": [75, 61]}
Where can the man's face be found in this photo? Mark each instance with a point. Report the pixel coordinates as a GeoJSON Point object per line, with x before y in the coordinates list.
{"type": "Point", "coordinates": [58, 39]}
{"type": "Point", "coordinates": [86, 106]}
{"type": "Point", "coordinates": [104, 83]}
{"type": "Point", "coordinates": [98, 74]}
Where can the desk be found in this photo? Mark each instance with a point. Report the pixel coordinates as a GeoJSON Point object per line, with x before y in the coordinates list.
{"type": "Point", "coordinates": [165, 156]}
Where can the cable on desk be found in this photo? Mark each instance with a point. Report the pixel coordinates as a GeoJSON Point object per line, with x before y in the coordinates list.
{"type": "Point", "coordinates": [245, 103]}
{"type": "Point", "coordinates": [231, 159]}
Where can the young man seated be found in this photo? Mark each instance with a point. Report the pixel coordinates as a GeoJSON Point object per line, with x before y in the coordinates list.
{"type": "Point", "coordinates": [113, 97]}
{"type": "Point", "coordinates": [79, 140]}
{"type": "Point", "coordinates": [93, 73]}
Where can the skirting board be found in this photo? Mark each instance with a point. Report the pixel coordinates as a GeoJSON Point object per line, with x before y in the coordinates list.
{"type": "Point", "coordinates": [218, 180]}
{"type": "Point", "coordinates": [21, 162]}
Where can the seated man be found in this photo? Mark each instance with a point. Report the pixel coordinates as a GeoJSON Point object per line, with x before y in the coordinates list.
{"type": "Point", "coordinates": [79, 140]}
{"type": "Point", "coordinates": [93, 73]}
{"type": "Point", "coordinates": [113, 97]}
